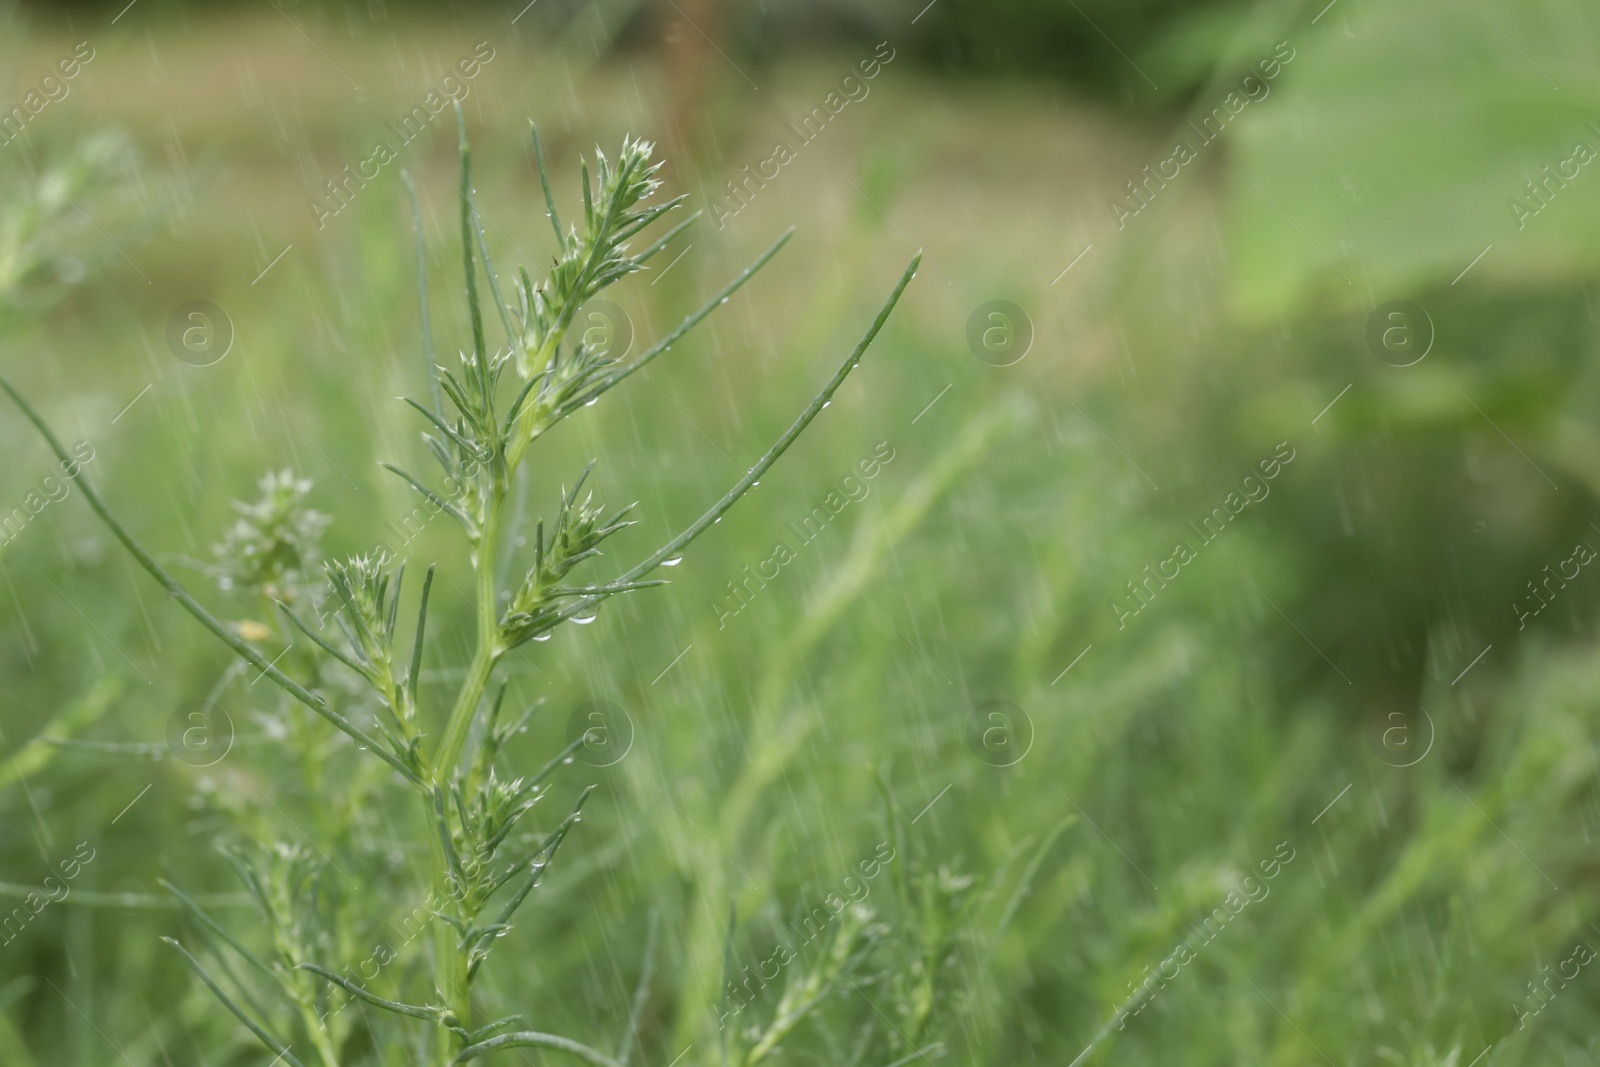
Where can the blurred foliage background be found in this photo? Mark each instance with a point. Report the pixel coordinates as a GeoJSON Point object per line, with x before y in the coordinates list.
{"type": "Point", "coordinates": [1359, 666]}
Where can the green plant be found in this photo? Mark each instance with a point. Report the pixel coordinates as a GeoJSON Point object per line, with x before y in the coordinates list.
{"type": "Point", "coordinates": [466, 814]}
{"type": "Point", "coordinates": [48, 245]}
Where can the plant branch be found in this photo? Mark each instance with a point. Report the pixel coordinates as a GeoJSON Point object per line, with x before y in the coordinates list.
{"type": "Point", "coordinates": [532, 1038]}
{"type": "Point", "coordinates": [818, 402]}
{"type": "Point", "coordinates": [429, 1013]}
{"type": "Point", "coordinates": [682, 328]}
{"type": "Point", "coordinates": [675, 546]}
{"type": "Point", "coordinates": [176, 590]}
{"type": "Point", "coordinates": [267, 1039]}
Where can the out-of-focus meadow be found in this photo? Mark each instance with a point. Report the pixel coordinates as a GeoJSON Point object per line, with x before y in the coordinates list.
{"type": "Point", "coordinates": [1348, 677]}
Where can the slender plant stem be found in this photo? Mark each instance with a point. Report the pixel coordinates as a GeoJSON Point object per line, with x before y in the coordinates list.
{"type": "Point", "coordinates": [489, 649]}
{"type": "Point", "coordinates": [452, 971]}
{"type": "Point", "coordinates": [320, 1039]}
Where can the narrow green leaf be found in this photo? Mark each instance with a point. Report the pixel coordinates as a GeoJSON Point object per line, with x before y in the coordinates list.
{"type": "Point", "coordinates": [670, 234]}
{"type": "Point", "coordinates": [682, 328]}
{"type": "Point", "coordinates": [272, 1043]}
{"type": "Point", "coordinates": [1025, 883]}
{"type": "Point", "coordinates": [473, 307]}
{"type": "Point", "coordinates": [676, 546]}
{"type": "Point", "coordinates": [556, 761]}
{"type": "Point", "coordinates": [215, 927]}
{"type": "Point", "coordinates": [445, 428]}
{"type": "Point", "coordinates": [534, 1039]}
{"type": "Point", "coordinates": [247, 874]}
{"type": "Point", "coordinates": [394, 604]}
{"type": "Point", "coordinates": [321, 642]}
{"type": "Point", "coordinates": [536, 869]}
{"type": "Point", "coordinates": [516, 404]}
{"type": "Point", "coordinates": [646, 217]}
{"type": "Point", "coordinates": [544, 180]}
{"type": "Point", "coordinates": [429, 493]}
{"type": "Point", "coordinates": [413, 1010]}
{"type": "Point", "coordinates": [588, 197]}
{"type": "Point", "coordinates": [422, 290]}
{"type": "Point", "coordinates": [513, 336]}
{"type": "Point", "coordinates": [442, 827]}
{"type": "Point", "coordinates": [485, 1031]}
{"type": "Point", "coordinates": [416, 644]}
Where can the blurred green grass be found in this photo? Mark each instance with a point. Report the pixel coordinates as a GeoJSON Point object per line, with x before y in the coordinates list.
{"type": "Point", "coordinates": [983, 560]}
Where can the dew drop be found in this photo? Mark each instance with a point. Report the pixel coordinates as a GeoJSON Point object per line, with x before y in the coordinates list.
{"type": "Point", "coordinates": [825, 403]}
{"type": "Point", "coordinates": [673, 562]}
{"type": "Point", "coordinates": [591, 402]}
{"type": "Point", "coordinates": [583, 620]}
{"type": "Point", "coordinates": [541, 637]}
{"type": "Point", "coordinates": [568, 759]}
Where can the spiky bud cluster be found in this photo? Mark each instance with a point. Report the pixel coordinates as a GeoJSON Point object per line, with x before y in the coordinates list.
{"type": "Point", "coordinates": [272, 547]}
